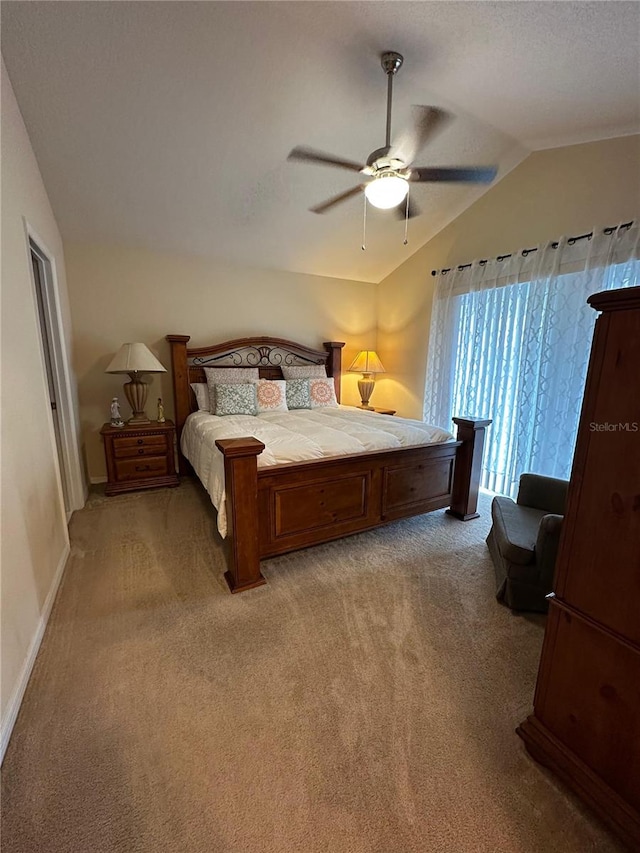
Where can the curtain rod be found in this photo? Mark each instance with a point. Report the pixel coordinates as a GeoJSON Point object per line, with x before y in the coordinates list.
{"type": "Point", "coordinates": [526, 252]}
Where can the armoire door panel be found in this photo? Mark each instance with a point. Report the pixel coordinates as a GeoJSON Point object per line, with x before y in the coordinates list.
{"type": "Point", "coordinates": [605, 518]}
{"type": "Point", "coordinates": [591, 700]}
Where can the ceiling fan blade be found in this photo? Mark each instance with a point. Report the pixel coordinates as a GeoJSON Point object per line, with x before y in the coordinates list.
{"type": "Point", "coordinates": [401, 210]}
{"type": "Point", "coordinates": [337, 199]}
{"type": "Point", "coordinates": [426, 122]}
{"type": "Point", "coordinates": [471, 175]}
{"type": "Point", "coordinates": [310, 155]}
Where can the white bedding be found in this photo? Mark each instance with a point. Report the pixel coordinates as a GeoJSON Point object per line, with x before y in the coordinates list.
{"type": "Point", "coordinates": [296, 436]}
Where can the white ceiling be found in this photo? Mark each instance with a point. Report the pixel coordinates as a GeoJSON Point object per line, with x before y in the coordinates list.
{"type": "Point", "coordinates": [168, 124]}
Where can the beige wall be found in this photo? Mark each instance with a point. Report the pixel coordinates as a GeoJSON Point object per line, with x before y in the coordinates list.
{"type": "Point", "coordinates": [121, 294]}
{"type": "Point", "coordinates": [34, 531]}
{"type": "Point", "coordinates": [561, 191]}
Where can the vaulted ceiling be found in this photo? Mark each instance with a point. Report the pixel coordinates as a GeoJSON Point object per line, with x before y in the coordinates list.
{"type": "Point", "coordinates": [168, 124]}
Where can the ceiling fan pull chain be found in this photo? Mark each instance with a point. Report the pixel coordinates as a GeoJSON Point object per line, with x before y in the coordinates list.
{"type": "Point", "coordinates": [364, 224]}
{"type": "Point", "coordinates": [406, 220]}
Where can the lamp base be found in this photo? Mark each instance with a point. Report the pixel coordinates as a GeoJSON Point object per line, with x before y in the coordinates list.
{"type": "Point", "coordinates": [365, 387]}
{"type": "Point", "coordinates": [139, 420]}
{"type": "Point", "coordinates": [136, 393]}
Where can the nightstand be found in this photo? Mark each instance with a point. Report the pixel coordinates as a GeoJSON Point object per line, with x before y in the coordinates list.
{"type": "Point", "coordinates": [379, 411]}
{"type": "Point", "coordinates": [139, 457]}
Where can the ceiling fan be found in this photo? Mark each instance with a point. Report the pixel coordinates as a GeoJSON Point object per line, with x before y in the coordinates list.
{"type": "Point", "coordinates": [391, 167]}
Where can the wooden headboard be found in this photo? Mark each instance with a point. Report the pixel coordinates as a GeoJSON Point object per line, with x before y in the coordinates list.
{"type": "Point", "coordinates": [267, 354]}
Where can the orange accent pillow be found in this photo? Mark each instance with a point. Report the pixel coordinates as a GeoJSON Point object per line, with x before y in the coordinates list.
{"type": "Point", "coordinates": [323, 393]}
{"type": "Point", "coordinates": [271, 395]}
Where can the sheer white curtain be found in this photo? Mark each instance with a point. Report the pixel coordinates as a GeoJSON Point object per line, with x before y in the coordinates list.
{"type": "Point", "coordinates": [510, 340]}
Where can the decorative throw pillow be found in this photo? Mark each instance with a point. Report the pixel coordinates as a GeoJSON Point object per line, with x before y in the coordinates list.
{"type": "Point", "coordinates": [236, 399]}
{"type": "Point", "coordinates": [271, 395]}
{"type": "Point", "coordinates": [201, 391]}
{"type": "Point", "coordinates": [322, 393]}
{"type": "Point", "coordinates": [228, 376]}
{"type": "Point", "coordinates": [298, 396]}
{"type": "Point", "coordinates": [308, 371]}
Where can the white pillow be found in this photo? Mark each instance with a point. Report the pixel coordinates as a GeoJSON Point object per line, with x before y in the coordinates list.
{"type": "Point", "coordinates": [202, 396]}
{"type": "Point", "coordinates": [228, 376]}
{"type": "Point", "coordinates": [309, 371]}
{"type": "Point", "coordinates": [322, 393]}
{"type": "Point", "coordinates": [271, 395]}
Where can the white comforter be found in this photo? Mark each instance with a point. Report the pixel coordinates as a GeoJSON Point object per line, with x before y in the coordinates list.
{"type": "Point", "coordinates": [296, 436]}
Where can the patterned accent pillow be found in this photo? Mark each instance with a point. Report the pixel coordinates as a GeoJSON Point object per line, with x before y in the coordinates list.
{"type": "Point", "coordinates": [271, 395]}
{"type": "Point", "coordinates": [228, 376]}
{"type": "Point", "coordinates": [236, 399]}
{"type": "Point", "coordinates": [201, 391]}
{"type": "Point", "coordinates": [308, 371]}
{"type": "Point", "coordinates": [322, 393]}
{"type": "Point", "coordinates": [298, 396]}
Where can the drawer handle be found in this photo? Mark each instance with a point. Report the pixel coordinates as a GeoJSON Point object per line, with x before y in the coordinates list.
{"type": "Point", "coordinates": [141, 450]}
{"type": "Point", "coordinates": [141, 441]}
{"type": "Point", "coordinates": [143, 467]}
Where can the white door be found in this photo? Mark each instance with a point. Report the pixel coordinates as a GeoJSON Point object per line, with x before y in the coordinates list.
{"type": "Point", "coordinates": [38, 262]}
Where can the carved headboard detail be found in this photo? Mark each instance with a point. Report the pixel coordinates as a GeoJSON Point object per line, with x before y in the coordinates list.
{"type": "Point", "coordinates": [267, 354]}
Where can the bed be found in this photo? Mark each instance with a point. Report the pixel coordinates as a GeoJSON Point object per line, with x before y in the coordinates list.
{"type": "Point", "coordinates": [267, 507]}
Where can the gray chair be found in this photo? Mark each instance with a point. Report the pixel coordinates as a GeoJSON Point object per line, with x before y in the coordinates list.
{"type": "Point", "coordinates": [523, 541]}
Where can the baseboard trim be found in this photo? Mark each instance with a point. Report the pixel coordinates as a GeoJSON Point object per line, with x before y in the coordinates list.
{"type": "Point", "coordinates": [18, 693]}
{"type": "Point", "coordinates": [97, 481]}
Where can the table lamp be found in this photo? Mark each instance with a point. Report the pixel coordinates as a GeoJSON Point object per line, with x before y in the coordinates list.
{"type": "Point", "coordinates": [367, 363]}
{"type": "Point", "coordinates": [135, 359]}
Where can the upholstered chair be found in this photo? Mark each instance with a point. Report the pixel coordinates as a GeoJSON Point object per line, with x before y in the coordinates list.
{"type": "Point", "coordinates": [523, 541]}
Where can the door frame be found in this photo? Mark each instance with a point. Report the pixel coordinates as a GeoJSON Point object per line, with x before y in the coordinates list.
{"type": "Point", "coordinates": [64, 388]}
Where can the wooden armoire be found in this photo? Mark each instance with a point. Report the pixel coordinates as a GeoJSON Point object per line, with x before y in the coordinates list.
{"type": "Point", "coordinates": [586, 721]}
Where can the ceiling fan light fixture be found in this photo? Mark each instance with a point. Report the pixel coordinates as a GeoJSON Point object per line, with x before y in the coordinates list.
{"type": "Point", "coordinates": [386, 190]}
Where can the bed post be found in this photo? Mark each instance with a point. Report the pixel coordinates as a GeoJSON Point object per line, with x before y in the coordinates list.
{"type": "Point", "coordinates": [241, 485]}
{"type": "Point", "coordinates": [334, 363]}
{"type": "Point", "coordinates": [466, 475]}
{"type": "Point", "coordinates": [180, 369]}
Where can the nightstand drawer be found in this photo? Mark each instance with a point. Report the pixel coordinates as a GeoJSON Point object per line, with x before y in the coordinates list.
{"type": "Point", "coordinates": [141, 469]}
{"type": "Point", "coordinates": [138, 450]}
{"type": "Point", "coordinates": [159, 442]}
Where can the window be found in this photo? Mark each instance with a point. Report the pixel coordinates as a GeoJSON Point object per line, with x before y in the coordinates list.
{"type": "Point", "coordinates": [518, 353]}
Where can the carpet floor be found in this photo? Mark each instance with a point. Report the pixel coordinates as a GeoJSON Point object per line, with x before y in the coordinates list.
{"type": "Point", "coordinates": [364, 701]}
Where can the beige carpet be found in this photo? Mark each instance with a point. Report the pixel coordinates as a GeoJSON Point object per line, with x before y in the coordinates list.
{"type": "Point", "coordinates": [364, 701]}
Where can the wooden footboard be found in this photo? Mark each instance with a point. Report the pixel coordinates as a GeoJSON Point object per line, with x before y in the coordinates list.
{"type": "Point", "coordinates": [287, 507]}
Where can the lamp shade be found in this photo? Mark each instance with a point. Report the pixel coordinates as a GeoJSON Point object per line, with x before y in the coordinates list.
{"type": "Point", "coordinates": [366, 361]}
{"type": "Point", "coordinates": [135, 358]}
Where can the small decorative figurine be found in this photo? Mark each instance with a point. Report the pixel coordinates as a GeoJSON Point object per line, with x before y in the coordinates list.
{"type": "Point", "coordinates": [160, 411]}
{"type": "Point", "coordinates": [116, 420]}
